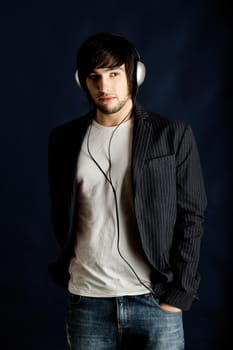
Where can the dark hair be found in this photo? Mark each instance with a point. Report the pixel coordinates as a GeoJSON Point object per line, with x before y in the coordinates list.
{"type": "Point", "coordinates": [110, 50]}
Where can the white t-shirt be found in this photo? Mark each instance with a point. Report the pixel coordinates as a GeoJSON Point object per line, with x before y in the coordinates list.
{"type": "Point", "coordinates": [97, 269]}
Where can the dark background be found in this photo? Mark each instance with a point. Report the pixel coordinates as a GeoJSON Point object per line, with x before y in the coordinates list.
{"type": "Point", "coordinates": [187, 49]}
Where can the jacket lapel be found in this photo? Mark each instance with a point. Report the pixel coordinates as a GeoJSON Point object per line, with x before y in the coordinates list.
{"type": "Point", "coordinates": [141, 138]}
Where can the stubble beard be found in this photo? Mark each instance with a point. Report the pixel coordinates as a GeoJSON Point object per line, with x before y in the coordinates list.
{"type": "Point", "coordinates": [115, 109]}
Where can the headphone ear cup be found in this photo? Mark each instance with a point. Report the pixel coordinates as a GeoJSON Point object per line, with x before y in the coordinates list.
{"type": "Point", "coordinates": [77, 79]}
{"type": "Point", "coordinates": [140, 73]}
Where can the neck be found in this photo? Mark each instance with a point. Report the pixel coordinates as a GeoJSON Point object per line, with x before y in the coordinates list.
{"type": "Point", "coordinates": [116, 118]}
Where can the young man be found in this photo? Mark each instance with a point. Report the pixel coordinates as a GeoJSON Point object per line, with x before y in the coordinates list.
{"type": "Point", "coordinates": [128, 202]}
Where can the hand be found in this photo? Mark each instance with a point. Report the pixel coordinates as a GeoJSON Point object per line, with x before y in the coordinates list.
{"type": "Point", "coordinates": [169, 307]}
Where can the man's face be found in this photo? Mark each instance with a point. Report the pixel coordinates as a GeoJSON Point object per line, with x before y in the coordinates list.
{"type": "Point", "coordinates": [108, 89]}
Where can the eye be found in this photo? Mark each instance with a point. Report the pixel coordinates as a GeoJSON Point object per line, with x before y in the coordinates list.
{"type": "Point", "coordinates": [114, 74]}
{"type": "Point", "coordinates": [93, 77]}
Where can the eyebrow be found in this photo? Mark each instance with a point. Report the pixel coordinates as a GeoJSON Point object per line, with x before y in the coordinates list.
{"type": "Point", "coordinates": [107, 69]}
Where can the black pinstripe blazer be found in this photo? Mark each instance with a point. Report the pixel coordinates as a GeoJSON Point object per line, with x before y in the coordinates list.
{"type": "Point", "coordinates": [169, 199]}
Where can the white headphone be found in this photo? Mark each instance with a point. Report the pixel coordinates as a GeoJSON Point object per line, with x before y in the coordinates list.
{"type": "Point", "coordinates": [77, 79]}
{"type": "Point", "coordinates": [140, 73]}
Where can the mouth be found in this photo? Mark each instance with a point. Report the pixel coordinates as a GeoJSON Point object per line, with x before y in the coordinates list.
{"type": "Point", "coordinates": [106, 99]}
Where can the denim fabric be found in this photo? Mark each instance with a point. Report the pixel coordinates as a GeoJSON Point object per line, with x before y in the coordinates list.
{"type": "Point", "coordinates": [128, 322]}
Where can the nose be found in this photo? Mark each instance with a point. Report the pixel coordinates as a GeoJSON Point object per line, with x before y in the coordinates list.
{"type": "Point", "coordinates": [103, 85]}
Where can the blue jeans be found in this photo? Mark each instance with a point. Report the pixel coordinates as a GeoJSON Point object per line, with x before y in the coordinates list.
{"type": "Point", "coordinates": [128, 322]}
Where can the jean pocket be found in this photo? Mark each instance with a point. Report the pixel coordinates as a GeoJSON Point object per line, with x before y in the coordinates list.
{"type": "Point", "coordinates": [156, 302]}
{"type": "Point", "coordinates": [75, 299]}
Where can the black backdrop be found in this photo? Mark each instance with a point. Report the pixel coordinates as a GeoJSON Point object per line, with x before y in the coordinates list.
{"type": "Point", "coordinates": [187, 47]}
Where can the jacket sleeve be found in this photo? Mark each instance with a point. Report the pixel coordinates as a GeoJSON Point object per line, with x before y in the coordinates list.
{"type": "Point", "coordinates": [191, 204]}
